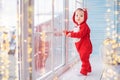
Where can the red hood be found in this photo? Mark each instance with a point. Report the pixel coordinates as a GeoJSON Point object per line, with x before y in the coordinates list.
{"type": "Point", "coordinates": [85, 17]}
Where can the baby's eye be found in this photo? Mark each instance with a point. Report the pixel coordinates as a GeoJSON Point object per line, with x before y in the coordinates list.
{"type": "Point", "coordinates": [77, 15]}
{"type": "Point", "coordinates": [81, 15]}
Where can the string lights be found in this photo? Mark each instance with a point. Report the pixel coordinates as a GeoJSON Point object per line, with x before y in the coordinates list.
{"type": "Point", "coordinates": [29, 38]}
{"type": "Point", "coordinates": [110, 49]}
{"type": "Point", "coordinates": [7, 62]}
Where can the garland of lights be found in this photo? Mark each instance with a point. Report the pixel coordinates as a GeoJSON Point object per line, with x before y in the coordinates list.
{"type": "Point", "coordinates": [110, 45]}
{"type": "Point", "coordinates": [112, 36]}
{"type": "Point", "coordinates": [29, 39]}
{"type": "Point", "coordinates": [4, 69]}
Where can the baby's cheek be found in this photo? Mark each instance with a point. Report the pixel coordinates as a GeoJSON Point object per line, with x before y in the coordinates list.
{"type": "Point", "coordinates": [82, 19]}
{"type": "Point", "coordinates": [76, 20]}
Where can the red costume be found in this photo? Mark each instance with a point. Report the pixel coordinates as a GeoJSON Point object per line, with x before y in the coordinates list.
{"type": "Point", "coordinates": [83, 46]}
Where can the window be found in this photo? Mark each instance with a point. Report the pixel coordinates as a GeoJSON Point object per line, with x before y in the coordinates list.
{"type": "Point", "coordinates": [43, 37]}
{"type": "Point", "coordinates": [48, 39]}
{"type": "Point", "coordinates": [73, 4]}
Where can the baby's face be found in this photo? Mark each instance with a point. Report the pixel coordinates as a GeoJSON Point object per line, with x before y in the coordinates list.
{"type": "Point", "coordinates": [79, 16]}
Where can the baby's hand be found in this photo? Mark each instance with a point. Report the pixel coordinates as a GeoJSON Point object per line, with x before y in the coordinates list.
{"type": "Point", "coordinates": [68, 35]}
{"type": "Point", "coordinates": [65, 32]}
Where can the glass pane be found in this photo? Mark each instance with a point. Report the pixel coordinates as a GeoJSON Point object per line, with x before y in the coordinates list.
{"type": "Point", "coordinates": [71, 47]}
{"type": "Point", "coordinates": [79, 4]}
{"type": "Point", "coordinates": [8, 40]}
{"type": "Point", "coordinates": [42, 37]}
{"type": "Point", "coordinates": [58, 43]}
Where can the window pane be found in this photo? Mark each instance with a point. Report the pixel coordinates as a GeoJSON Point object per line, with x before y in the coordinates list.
{"type": "Point", "coordinates": [58, 43]}
{"type": "Point", "coordinates": [42, 36]}
{"type": "Point", "coordinates": [71, 47]}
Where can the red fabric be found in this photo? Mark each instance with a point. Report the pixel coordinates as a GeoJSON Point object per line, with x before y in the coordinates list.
{"type": "Point", "coordinates": [84, 46]}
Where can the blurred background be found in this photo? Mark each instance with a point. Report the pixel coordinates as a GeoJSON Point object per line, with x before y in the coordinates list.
{"type": "Point", "coordinates": [33, 47]}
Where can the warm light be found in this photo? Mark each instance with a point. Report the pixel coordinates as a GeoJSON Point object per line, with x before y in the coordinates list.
{"type": "Point", "coordinates": [111, 56]}
{"type": "Point", "coordinates": [66, 8]}
{"type": "Point", "coordinates": [30, 60]}
{"type": "Point", "coordinates": [118, 3]}
{"type": "Point", "coordinates": [108, 29]}
{"type": "Point", "coordinates": [108, 10]}
{"type": "Point", "coordinates": [116, 12]}
{"type": "Point", "coordinates": [55, 78]}
{"type": "Point", "coordinates": [113, 26]}
{"type": "Point", "coordinates": [30, 9]}
{"type": "Point", "coordinates": [107, 20]}
{"type": "Point", "coordinates": [25, 40]}
{"type": "Point", "coordinates": [119, 44]}
{"type": "Point", "coordinates": [118, 36]}
{"type": "Point", "coordinates": [25, 1]}
{"type": "Point", "coordinates": [66, 20]}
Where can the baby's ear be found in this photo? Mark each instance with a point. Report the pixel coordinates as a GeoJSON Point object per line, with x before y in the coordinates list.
{"type": "Point", "coordinates": [85, 9]}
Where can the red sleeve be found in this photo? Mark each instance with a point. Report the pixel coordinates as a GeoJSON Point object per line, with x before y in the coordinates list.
{"type": "Point", "coordinates": [83, 31]}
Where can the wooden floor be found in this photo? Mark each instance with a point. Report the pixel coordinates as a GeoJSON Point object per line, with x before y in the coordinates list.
{"type": "Point", "coordinates": [97, 67]}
